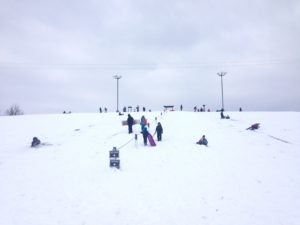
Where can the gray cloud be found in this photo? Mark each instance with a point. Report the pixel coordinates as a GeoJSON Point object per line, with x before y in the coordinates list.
{"type": "Point", "coordinates": [61, 55]}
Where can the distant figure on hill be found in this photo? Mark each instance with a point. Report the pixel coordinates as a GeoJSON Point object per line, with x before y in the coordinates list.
{"type": "Point", "coordinates": [145, 134]}
{"type": "Point", "coordinates": [181, 107]}
{"type": "Point", "coordinates": [222, 115]}
{"type": "Point", "coordinates": [202, 141]}
{"type": "Point", "coordinates": [159, 131]}
{"type": "Point", "coordinates": [35, 142]}
{"type": "Point", "coordinates": [241, 109]}
{"type": "Point", "coordinates": [130, 122]}
{"type": "Point", "coordinates": [253, 127]}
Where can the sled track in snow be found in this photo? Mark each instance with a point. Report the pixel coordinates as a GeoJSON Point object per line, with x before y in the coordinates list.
{"type": "Point", "coordinates": [279, 139]}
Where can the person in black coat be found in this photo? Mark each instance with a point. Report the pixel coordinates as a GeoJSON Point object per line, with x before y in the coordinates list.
{"type": "Point", "coordinates": [159, 131]}
{"type": "Point", "coordinates": [130, 121]}
{"type": "Point", "coordinates": [222, 114]}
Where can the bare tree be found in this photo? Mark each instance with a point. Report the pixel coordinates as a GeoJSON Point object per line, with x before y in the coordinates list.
{"type": "Point", "coordinates": [14, 110]}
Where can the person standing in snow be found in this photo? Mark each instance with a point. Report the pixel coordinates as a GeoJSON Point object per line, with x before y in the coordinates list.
{"type": "Point", "coordinates": [202, 141]}
{"type": "Point", "coordinates": [130, 121]}
{"type": "Point", "coordinates": [159, 131]}
{"type": "Point", "coordinates": [222, 114]}
{"type": "Point", "coordinates": [143, 122]}
{"type": "Point", "coordinates": [145, 134]}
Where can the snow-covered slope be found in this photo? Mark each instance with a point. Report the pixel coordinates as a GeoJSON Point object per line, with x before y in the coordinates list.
{"type": "Point", "coordinates": [242, 178]}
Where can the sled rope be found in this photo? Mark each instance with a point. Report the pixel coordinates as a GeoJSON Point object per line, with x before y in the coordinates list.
{"type": "Point", "coordinates": [279, 139]}
{"type": "Point", "coordinates": [122, 146]}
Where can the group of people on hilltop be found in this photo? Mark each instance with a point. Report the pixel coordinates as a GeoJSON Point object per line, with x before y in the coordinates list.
{"type": "Point", "coordinates": [105, 110]}
{"type": "Point", "coordinates": [136, 109]}
{"type": "Point", "coordinates": [201, 109]}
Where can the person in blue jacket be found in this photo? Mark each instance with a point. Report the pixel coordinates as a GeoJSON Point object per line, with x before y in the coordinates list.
{"type": "Point", "coordinates": [143, 122]}
{"type": "Point", "coordinates": [145, 134]}
{"type": "Point", "coordinates": [203, 141]}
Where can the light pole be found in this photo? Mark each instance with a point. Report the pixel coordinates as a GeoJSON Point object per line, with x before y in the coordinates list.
{"type": "Point", "coordinates": [117, 78]}
{"type": "Point", "coordinates": [222, 74]}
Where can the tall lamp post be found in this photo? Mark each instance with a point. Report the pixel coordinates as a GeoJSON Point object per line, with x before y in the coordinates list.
{"type": "Point", "coordinates": [222, 74]}
{"type": "Point", "coordinates": [117, 78]}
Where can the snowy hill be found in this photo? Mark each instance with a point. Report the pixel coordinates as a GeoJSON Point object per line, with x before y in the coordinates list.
{"type": "Point", "coordinates": [242, 178]}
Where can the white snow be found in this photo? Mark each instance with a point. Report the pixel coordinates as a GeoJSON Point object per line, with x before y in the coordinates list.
{"type": "Point", "coordinates": [242, 178]}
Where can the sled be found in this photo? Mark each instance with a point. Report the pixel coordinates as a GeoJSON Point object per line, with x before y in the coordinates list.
{"type": "Point", "coordinates": [124, 122]}
{"type": "Point", "coordinates": [151, 140]}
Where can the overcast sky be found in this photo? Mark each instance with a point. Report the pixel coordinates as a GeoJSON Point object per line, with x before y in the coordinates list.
{"type": "Point", "coordinates": [58, 55]}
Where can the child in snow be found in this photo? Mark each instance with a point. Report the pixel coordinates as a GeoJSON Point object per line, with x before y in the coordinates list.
{"type": "Point", "coordinates": [143, 122]}
{"type": "Point", "coordinates": [253, 127]}
{"type": "Point", "coordinates": [159, 131]}
{"type": "Point", "coordinates": [203, 141]}
{"type": "Point", "coordinates": [35, 142]}
{"type": "Point", "coordinates": [145, 134]}
{"type": "Point", "coordinates": [223, 116]}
